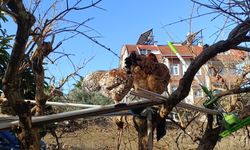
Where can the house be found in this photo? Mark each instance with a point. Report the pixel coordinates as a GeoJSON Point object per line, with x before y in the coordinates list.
{"type": "Point", "coordinates": [211, 74]}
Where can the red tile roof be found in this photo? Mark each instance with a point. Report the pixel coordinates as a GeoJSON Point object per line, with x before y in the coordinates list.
{"type": "Point", "coordinates": [132, 48]}
{"type": "Point", "coordinates": [184, 51]}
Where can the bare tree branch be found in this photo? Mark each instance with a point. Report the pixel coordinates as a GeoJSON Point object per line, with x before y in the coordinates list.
{"type": "Point", "coordinates": [234, 91]}
{"type": "Point", "coordinates": [242, 48]}
{"type": "Point", "coordinates": [211, 51]}
{"type": "Point", "coordinates": [217, 6]}
{"type": "Point", "coordinates": [186, 19]}
{"type": "Point", "coordinates": [65, 12]}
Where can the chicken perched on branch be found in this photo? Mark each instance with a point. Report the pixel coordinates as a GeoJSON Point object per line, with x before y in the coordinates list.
{"type": "Point", "coordinates": [148, 73]}
{"type": "Point", "coordinates": [141, 71]}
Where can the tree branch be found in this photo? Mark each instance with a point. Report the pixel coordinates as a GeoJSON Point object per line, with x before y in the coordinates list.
{"type": "Point", "coordinates": [208, 53]}
{"type": "Point", "coordinates": [242, 48]}
{"type": "Point", "coordinates": [234, 91]}
{"type": "Point", "coordinates": [240, 30]}
{"type": "Point", "coordinates": [11, 81]}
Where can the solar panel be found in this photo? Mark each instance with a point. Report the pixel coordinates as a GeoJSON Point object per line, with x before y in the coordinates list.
{"type": "Point", "coordinates": [146, 38]}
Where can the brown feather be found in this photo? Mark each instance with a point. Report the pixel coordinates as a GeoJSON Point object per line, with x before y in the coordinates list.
{"type": "Point", "coordinates": [114, 84]}
{"type": "Point", "coordinates": [149, 74]}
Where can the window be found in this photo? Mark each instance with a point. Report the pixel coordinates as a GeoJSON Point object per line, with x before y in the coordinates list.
{"type": "Point", "coordinates": [145, 51]}
{"type": "Point", "coordinates": [197, 92]}
{"type": "Point", "coordinates": [174, 68]}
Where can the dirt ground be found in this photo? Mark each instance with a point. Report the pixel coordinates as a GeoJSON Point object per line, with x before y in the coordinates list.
{"type": "Point", "coordinates": [104, 135]}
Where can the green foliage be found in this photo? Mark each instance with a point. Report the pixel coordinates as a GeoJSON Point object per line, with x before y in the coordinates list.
{"type": "Point", "coordinates": [2, 17]}
{"type": "Point", "coordinates": [4, 45]}
{"type": "Point", "coordinates": [27, 77]}
{"type": "Point", "coordinates": [78, 84]}
{"type": "Point", "coordinates": [28, 84]}
{"type": "Point", "coordinates": [80, 95]}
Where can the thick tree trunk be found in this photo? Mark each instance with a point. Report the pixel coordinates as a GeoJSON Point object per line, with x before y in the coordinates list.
{"type": "Point", "coordinates": [209, 139]}
{"type": "Point", "coordinates": [11, 81]}
{"type": "Point", "coordinates": [211, 136]}
{"type": "Point", "coordinates": [29, 138]}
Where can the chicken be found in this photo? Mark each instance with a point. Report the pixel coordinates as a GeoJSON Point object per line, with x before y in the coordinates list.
{"type": "Point", "coordinates": [114, 84]}
{"type": "Point", "coordinates": [141, 71]}
{"type": "Point", "coordinates": [148, 73]}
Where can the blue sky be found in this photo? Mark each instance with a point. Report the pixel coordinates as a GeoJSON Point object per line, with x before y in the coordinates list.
{"type": "Point", "coordinates": [121, 23]}
{"type": "Point", "coordinates": [124, 21]}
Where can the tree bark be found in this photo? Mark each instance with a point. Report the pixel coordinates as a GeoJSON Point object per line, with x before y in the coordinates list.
{"type": "Point", "coordinates": [11, 81]}
{"type": "Point", "coordinates": [37, 58]}
{"type": "Point", "coordinates": [210, 137]}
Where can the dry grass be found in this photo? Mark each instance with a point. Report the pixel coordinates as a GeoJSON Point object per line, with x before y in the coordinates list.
{"type": "Point", "coordinates": [104, 135]}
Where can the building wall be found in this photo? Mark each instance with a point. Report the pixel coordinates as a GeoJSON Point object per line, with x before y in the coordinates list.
{"type": "Point", "coordinates": [124, 54]}
{"type": "Point", "coordinates": [176, 74]}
